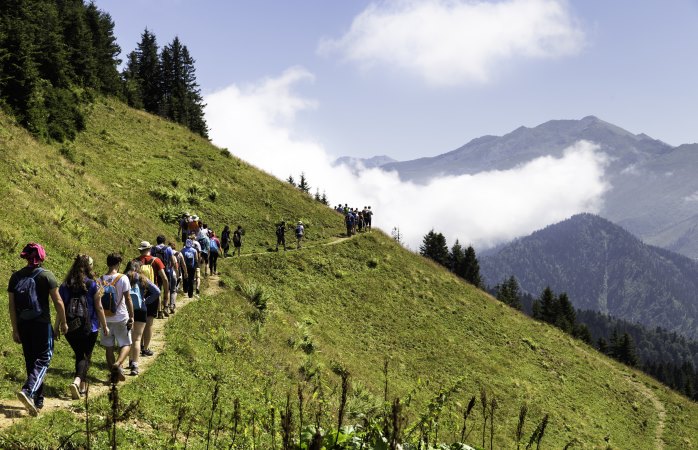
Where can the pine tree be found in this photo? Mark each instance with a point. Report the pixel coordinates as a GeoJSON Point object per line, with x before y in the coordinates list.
{"type": "Point", "coordinates": [78, 39]}
{"type": "Point", "coordinates": [547, 306]}
{"type": "Point", "coordinates": [317, 195]}
{"type": "Point", "coordinates": [132, 85]}
{"type": "Point", "coordinates": [565, 317]}
{"type": "Point", "coordinates": [472, 267]}
{"type": "Point", "coordinates": [149, 72]}
{"type": "Point", "coordinates": [303, 184]}
{"type": "Point", "coordinates": [194, 102]}
{"type": "Point", "coordinates": [434, 247]}
{"type": "Point", "coordinates": [626, 352]}
{"type": "Point", "coordinates": [291, 181]}
{"type": "Point", "coordinates": [106, 50]}
{"type": "Point", "coordinates": [509, 292]}
{"type": "Point", "coordinates": [456, 258]}
{"type": "Point", "coordinates": [324, 199]}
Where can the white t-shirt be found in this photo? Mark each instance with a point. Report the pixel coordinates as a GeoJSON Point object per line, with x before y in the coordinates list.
{"type": "Point", "coordinates": [123, 285]}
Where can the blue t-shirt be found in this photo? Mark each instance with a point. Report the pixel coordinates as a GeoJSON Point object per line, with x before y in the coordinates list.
{"type": "Point", "coordinates": [67, 295]}
{"type": "Point", "coordinates": [205, 244]}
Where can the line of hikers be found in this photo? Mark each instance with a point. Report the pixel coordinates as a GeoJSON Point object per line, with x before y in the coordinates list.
{"type": "Point", "coordinates": [119, 306]}
{"type": "Point", "coordinates": [355, 219]}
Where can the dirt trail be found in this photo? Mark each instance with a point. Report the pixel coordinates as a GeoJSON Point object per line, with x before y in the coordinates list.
{"type": "Point", "coordinates": [12, 410]}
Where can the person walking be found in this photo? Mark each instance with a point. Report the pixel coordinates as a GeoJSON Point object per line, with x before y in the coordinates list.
{"type": "Point", "coordinates": [191, 261]}
{"type": "Point", "coordinates": [225, 240]}
{"type": "Point", "coordinates": [181, 271]}
{"type": "Point", "coordinates": [214, 246]}
{"type": "Point", "coordinates": [237, 239]}
{"type": "Point", "coordinates": [300, 232]}
{"type": "Point", "coordinates": [165, 254]}
{"type": "Point", "coordinates": [153, 269]}
{"type": "Point", "coordinates": [197, 273]}
{"type": "Point", "coordinates": [205, 244]}
{"type": "Point", "coordinates": [85, 316]}
{"type": "Point", "coordinates": [29, 290]}
{"type": "Point", "coordinates": [281, 235]}
{"type": "Point", "coordinates": [118, 310]}
{"type": "Point", "coordinates": [143, 293]}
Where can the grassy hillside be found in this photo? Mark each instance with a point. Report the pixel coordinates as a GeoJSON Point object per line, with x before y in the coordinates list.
{"type": "Point", "coordinates": [347, 306]}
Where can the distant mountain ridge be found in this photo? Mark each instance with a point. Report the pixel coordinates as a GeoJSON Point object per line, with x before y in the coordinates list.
{"type": "Point", "coordinates": [603, 268]}
{"type": "Point", "coordinates": [367, 163]}
{"type": "Point", "coordinates": [654, 187]}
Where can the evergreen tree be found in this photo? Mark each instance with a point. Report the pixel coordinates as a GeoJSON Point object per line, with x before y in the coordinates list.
{"type": "Point", "coordinates": [547, 306]}
{"type": "Point", "coordinates": [602, 345]}
{"type": "Point", "coordinates": [303, 184]}
{"type": "Point", "coordinates": [471, 267]}
{"type": "Point", "coordinates": [317, 195]}
{"type": "Point", "coordinates": [509, 292]}
{"type": "Point", "coordinates": [291, 181]}
{"type": "Point", "coordinates": [106, 50]}
{"type": "Point", "coordinates": [132, 85]}
{"type": "Point", "coordinates": [434, 247]}
{"type": "Point", "coordinates": [565, 317]}
{"type": "Point", "coordinates": [149, 72]}
{"type": "Point", "coordinates": [324, 199]}
{"type": "Point", "coordinates": [625, 352]}
{"type": "Point", "coordinates": [456, 257]}
{"type": "Point", "coordinates": [78, 39]}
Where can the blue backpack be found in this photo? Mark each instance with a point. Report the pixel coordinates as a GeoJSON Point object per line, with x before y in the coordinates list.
{"type": "Point", "coordinates": [189, 256]}
{"type": "Point", "coordinates": [137, 296]}
{"type": "Point", "coordinates": [109, 300]}
{"type": "Point", "coordinates": [213, 245]}
{"type": "Point", "coordinates": [26, 300]}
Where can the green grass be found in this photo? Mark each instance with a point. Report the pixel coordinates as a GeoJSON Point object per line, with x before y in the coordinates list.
{"type": "Point", "coordinates": [349, 305]}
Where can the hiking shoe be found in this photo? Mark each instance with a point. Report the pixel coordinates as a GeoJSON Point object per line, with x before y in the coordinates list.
{"type": "Point", "coordinates": [28, 403]}
{"type": "Point", "coordinates": [197, 291]}
{"type": "Point", "coordinates": [160, 315]}
{"type": "Point", "coordinates": [39, 403]}
{"type": "Point", "coordinates": [134, 371]}
{"type": "Point", "coordinates": [165, 313]}
{"type": "Point", "coordinates": [117, 374]}
{"type": "Point", "coordinates": [74, 391]}
{"type": "Point", "coordinates": [146, 352]}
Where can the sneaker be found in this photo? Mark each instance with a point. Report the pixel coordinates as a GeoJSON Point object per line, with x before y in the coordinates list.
{"type": "Point", "coordinates": [39, 403]}
{"type": "Point", "coordinates": [146, 352]}
{"type": "Point", "coordinates": [172, 309]}
{"type": "Point", "coordinates": [197, 291]}
{"type": "Point", "coordinates": [28, 403]}
{"type": "Point", "coordinates": [117, 374]}
{"type": "Point", "coordinates": [160, 315]}
{"type": "Point", "coordinates": [165, 312]}
{"type": "Point", "coordinates": [74, 391]}
{"type": "Point", "coordinates": [134, 371]}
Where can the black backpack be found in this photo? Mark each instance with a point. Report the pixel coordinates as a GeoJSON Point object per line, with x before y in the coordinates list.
{"type": "Point", "coordinates": [78, 315]}
{"type": "Point", "coordinates": [27, 303]}
{"type": "Point", "coordinates": [280, 231]}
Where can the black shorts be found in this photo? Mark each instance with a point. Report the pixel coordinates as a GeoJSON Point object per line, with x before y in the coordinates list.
{"type": "Point", "coordinates": [204, 257]}
{"type": "Point", "coordinates": [140, 315]}
{"type": "Point", "coordinates": [153, 308]}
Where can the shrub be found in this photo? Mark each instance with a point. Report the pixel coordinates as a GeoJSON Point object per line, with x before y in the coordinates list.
{"type": "Point", "coordinates": [197, 165]}
{"type": "Point", "coordinates": [213, 195]}
{"type": "Point", "coordinates": [258, 296]}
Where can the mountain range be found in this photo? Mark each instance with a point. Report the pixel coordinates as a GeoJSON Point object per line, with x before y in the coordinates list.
{"type": "Point", "coordinates": [653, 186]}
{"type": "Point", "coordinates": [604, 268]}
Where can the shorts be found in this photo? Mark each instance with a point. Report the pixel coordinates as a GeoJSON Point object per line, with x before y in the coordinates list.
{"type": "Point", "coordinates": [204, 257]}
{"type": "Point", "coordinates": [140, 315]}
{"type": "Point", "coordinates": [118, 332]}
{"type": "Point", "coordinates": [153, 308]}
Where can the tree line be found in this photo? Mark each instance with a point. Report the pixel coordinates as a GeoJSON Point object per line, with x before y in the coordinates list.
{"type": "Point", "coordinates": [666, 356]}
{"type": "Point", "coordinates": [461, 261]}
{"type": "Point", "coordinates": [56, 55]}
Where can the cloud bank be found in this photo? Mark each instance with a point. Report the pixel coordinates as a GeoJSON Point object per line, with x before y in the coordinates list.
{"type": "Point", "coordinates": [255, 123]}
{"type": "Point", "coordinates": [451, 42]}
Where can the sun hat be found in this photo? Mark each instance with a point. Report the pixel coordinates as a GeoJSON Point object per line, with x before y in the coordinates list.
{"type": "Point", "coordinates": [34, 254]}
{"type": "Point", "coordinates": [144, 245]}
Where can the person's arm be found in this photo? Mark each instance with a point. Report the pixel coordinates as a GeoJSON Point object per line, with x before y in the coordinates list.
{"type": "Point", "coordinates": [129, 304]}
{"type": "Point", "coordinates": [13, 318]}
{"type": "Point", "coordinates": [165, 286]}
{"type": "Point", "coordinates": [183, 265]}
{"type": "Point", "coordinates": [99, 310]}
{"type": "Point", "coordinates": [153, 292]}
{"type": "Point", "coordinates": [60, 311]}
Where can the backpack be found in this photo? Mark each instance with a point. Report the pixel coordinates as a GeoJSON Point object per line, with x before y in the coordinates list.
{"type": "Point", "coordinates": [213, 245]}
{"type": "Point", "coordinates": [109, 300]}
{"type": "Point", "coordinates": [280, 231]}
{"type": "Point", "coordinates": [299, 230]}
{"type": "Point", "coordinates": [147, 270]}
{"type": "Point", "coordinates": [77, 315]}
{"type": "Point", "coordinates": [161, 252]}
{"type": "Point", "coordinates": [189, 257]}
{"type": "Point", "coordinates": [26, 300]}
{"type": "Point", "coordinates": [237, 238]}
{"type": "Point", "coordinates": [137, 296]}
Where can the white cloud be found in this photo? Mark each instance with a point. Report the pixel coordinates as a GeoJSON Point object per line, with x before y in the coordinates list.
{"type": "Point", "coordinates": [255, 122]}
{"type": "Point", "coordinates": [451, 42]}
{"type": "Point", "coordinates": [691, 198]}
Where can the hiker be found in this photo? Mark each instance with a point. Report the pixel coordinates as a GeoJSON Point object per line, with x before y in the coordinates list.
{"type": "Point", "coordinates": [360, 222]}
{"type": "Point", "coordinates": [30, 317]}
{"type": "Point", "coordinates": [237, 239]}
{"type": "Point", "coordinates": [225, 240]}
{"type": "Point", "coordinates": [118, 311]}
{"type": "Point", "coordinates": [143, 293]}
{"type": "Point", "coordinates": [368, 216]}
{"type": "Point", "coordinates": [165, 254]}
{"type": "Point", "coordinates": [193, 226]}
{"type": "Point", "coordinates": [214, 246]}
{"type": "Point", "coordinates": [153, 269]}
{"type": "Point", "coordinates": [281, 235]}
{"type": "Point", "coordinates": [191, 264]}
{"type": "Point", "coordinates": [205, 244]}
{"type": "Point", "coordinates": [84, 315]}
{"type": "Point", "coordinates": [197, 273]}
{"type": "Point", "coordinates": [300, 231]}
{"type": "Point", "coordinates": [183, 229]}
{"type": "Point", "coordinates": [181, 273]}
{"type": "Point", "coordinates": [349, 222]}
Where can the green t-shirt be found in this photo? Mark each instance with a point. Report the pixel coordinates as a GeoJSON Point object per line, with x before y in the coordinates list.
{"type": "Point", "coordinates": [45, 283]}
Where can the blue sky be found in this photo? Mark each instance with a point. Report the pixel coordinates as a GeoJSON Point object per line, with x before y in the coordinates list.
{"type": "Point", "coordinates": [636, 67]}
{"type": "Point", "coordinates": [290, 86]}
